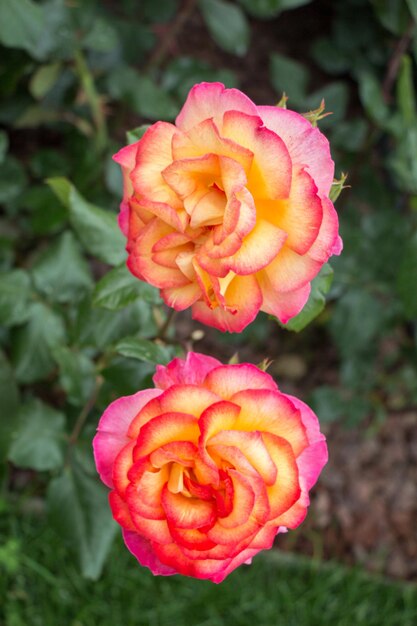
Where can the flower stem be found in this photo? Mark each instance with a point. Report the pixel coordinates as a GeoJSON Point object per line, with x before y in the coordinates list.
{"type": "Point", "coordinates": [93, 99]}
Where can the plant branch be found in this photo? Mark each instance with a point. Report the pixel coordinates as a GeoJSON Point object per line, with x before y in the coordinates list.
{"type": "Point", "coordinates": [395, 61]}
{"type": "Point", "coordinates": [93, 99]}
{"type": "Point", "coordinates": [165, 326]}
{"type": "Point", "coordinates": [82, 417]}
{"type": "Point", "coordinates": [162, 49]}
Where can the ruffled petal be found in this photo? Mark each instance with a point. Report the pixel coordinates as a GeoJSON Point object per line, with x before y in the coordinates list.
{"type": "Point", "coordinates": [227, 380]}
{"type": "Point", "coordinates": [328, 241]}
{"type": "Point", "coordinates": [271, 173]}
{"type": "Point", "coordinates": [272, 412]}
{"type": "Point", "coordinates": [212, 100]}
{"type": "Point", "coordinates": [300, 216]}
{"type": "Point", "coordinates": [308, 147]}
{"type": "Point", "coordinates": [112, 430]}
{"type": "Point", "coordinates": [283, 305]}
{"type": "Point", "coordinates": [142, 253]}
{"type": "Point", "coordinates": [154, 154]}
{"type": "Point", "coordinates": [192, 370]}
{"type": "Point", "coordinates": [243, 300]}
{"type": "Point", "coordinates": [142, 550]}
{"type": "Point", "coordinates": [289, 271]}
{"type": "Point", "coordinates": [126, 158]}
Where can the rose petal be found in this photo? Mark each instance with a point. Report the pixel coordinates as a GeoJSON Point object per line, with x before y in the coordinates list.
{"type": "Point", "coordinates": [192, 370]}
{"type": "Point", "coordinates": [112, 430]}
{"type": "Point", "coordinates": [211, 100]}
{"type": "Point", "coordinates": [307, 146]}
{"type": "Point", "coordinates": [227, 380]}
{"type": "Point", "coordinates": [243, 299]}
{"type": "Point", "coordinates": [270, 175]}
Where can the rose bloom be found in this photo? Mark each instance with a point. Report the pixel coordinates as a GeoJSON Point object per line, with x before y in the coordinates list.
{"type": "Point", "coordinates": [228, 211]}
{"type": "Point", "coordinates": [208, 467]}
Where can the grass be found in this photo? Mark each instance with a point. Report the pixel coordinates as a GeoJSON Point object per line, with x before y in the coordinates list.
{"type": "Point", "coordinates": [40, 586]}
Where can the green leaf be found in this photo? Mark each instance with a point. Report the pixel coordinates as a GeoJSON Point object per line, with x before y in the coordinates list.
{"type": "Point", "coordinates": [10, 401]}
{"type": "Point", "coordinates": [335, 96]}
{"type": "Point", "coordinates": [96, 228]}
{"type": "Point", "coordinates": [22, 25]}
{"type": "Point", "coordinates": [316, 302]}
{"type": "Point", "coordinates": [227, 25]}
{"type": "Point", "coordinates": [44, 79]}
{"type": "Point", "coordinates": [79, 511]}
{"type": "Point", "coordinates": [393, 14]}
{"type": "Point", "coordinates": [39, 439]}
{"type": "Point", "coordinates": [141, 94]}
{"type": "Point", "coordinates": [14, 297]}
{"type": "Point", "coordinates": [406, 91]}
{"type": "Point", "coordinates": [76, 374]}
{"type": "Point", "coordinates": [4, 145]}
{"type": "Point", "coordinates": [329, 56]}
{"type": "Point", "coordinates": [137, 133]}
{"type": "Point", "coordinates": [97, 327]}
{"type": "Point", "coordinates": [47, 215]}
{"type": "Point", "coordinates": [61, 272]}
{"type": "Point", "coordinates": [48, 162]}
{"type": "Point", "coordinates": [356, 321]}
{"type": "Point", "coordinates": [328, 404]}
{"type": "Point", "coordinates": [288, 76]}
{"type": "Point", "coordinates": [142, 349]}
{"type": "Point", "coordinates": [370, 92]}
{"type": "Point", "coordinates": [102, 37]}
{"type": "Point", "coordinates": [182, 73]}
{"type": "Point", "coordinates": [119, 287]}
{"type": "Point", "coordinates": [412, 7]}
{"type": "Point", "coordinates": [31, 351]}
{"type": "Point", "coordinates": [265, 9]}
{"type": "Point", "coordinates": [124, 377]}
{"type": "Point", "coordinates": [407, 278]}
{"type": "Point", "coordinates": [403, 160]}
{"type": "Point", "coordinates": [12, 179]}
{"type": "Point", "coordinates": [349, 135]}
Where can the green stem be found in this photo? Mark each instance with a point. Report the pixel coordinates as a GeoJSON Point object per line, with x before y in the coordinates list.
{"type": "Point", "coordinates": [165, 326]}
{"type": "Point", "coordinates": [82, 417]}
{"type": "Point", "coordinates": [93, 99]}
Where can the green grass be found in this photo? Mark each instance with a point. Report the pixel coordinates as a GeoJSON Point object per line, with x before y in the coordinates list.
{"type": "Point", "coordinates": [40, 586]}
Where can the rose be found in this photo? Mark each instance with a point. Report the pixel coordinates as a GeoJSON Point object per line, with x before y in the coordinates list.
{"type": "Point", "coordinates": [208, 467]}
{"type": "Point", "coordinates": [228, 211]}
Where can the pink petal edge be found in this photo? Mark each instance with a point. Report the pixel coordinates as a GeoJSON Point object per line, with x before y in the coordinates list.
{"type": "Point", "coordinates": [112, 428]}
{"type": "Point", "coordinates": [189, 371]}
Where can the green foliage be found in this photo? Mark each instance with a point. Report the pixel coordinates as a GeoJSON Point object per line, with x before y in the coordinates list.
{"type": "Point", "coordinates": [118, 288]}
{"type": "Point", "coordinates": [21, 25]}
{"type": "Point", "coordinates": [32, 343]}
{"type": "Point", "coordinates": [227, 24]}
{"type": "Point", "coordinates": [270, 8]}
{"type": "Point", "coordinates": [38, 441]}
{"type": "Point", "coordinates": [97, 229]}
{"type": "Point", "coordinates": [407, 279]}
{"type": "Point", "coordinates": [78, 330]}
{"type": "Point", "coordinates": [290, 77]}
{"type": "Point", "coordinates": [10, 400]}
{"type": "Point", "coordinates": [14, 297]}
{"type": "Point", "coordinates": [142, 349]}
{"type": "Point", "coordinates": [61, 273]}
{"type": "Point", "coordinates": [78, 509]}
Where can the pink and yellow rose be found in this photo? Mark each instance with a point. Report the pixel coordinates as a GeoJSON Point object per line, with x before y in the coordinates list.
{"type": "Point", "coordinates": [208, 467]}
{"type": "Point", "coordinates": [228, 210]}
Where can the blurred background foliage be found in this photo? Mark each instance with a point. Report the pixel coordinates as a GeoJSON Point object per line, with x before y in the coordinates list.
{"type": "Point", "coordinates": [78, 331]}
